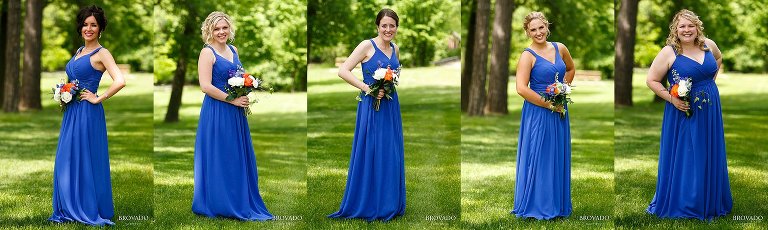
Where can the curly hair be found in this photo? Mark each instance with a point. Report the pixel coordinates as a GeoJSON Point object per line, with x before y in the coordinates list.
{"type": "Point", "coordinates": [535, 15]}
{"type": "Point", "coordinates": [94, 11]}
{"type": "Point", "coordinates": [210, 23]}
{"type": "Point", "coordinates": [674, 41]}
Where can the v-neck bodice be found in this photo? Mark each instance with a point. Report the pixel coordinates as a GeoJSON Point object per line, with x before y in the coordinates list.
{"type": "Point", "coordinates": [379, 60]}
{"type": "Point", "coordinates": [80, 69]}
{"type": "Point", "coordinates": [223, 68]}
{"type": "Point", "coordinates": [688, 67]}
{"type": "Point", "coordinates": [543, 71]}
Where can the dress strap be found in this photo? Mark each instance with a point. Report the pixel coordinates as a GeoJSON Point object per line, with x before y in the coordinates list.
{"type": "Point", "coordinates": [532, 52]}
{"type": "Point", "coordinates": [232, 48]}
{"type": "Point", "coordinates": [95, 50]}
{"type": "Point", "coordinates": [212, 49]}
{"type": "Point", "coordinates": [557, 50]}
{"type": "Point", "coordinates": [78, 50]}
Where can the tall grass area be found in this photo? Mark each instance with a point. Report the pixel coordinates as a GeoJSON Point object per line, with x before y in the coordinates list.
{"type": "Point", "coordinates": [28, 143]}
{"type": "Point", "coordinates": [278, 130]}
{"type": "Point", "coordinates": [638, 130]}
{"type": "Point", "coordinates": [429, 102]}
{"type": "Point", "coordinates": [489, 151]}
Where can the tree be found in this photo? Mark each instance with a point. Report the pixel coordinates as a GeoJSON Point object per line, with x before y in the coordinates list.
{"type": "Point", "coordinates": [479, 60]}
{"type": "Point", "coordinates": [466, 70]}
{"type": "Point", "coordinates": [499, 76]}
{"type": "Point", "coordinates": [30, 91]}
{"type": "Point", "coordinates": [183, 50]}
{"type": "Point", "coordinates": [3, 22]}
{"type": "Point", "coordinates": [10, 99]}
{"type": "Point", "coordinates": [625, 53]}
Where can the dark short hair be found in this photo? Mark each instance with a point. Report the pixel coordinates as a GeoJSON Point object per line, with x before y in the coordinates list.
{"type": "Point", "coordinates": [389, 13]}
{"type": "Point", "coordinates": [94, 11]}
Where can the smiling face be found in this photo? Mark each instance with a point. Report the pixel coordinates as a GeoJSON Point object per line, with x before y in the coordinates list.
{"type": "Point", "coordinates": [221, 31]}
{"type": "Point", "coordinates": [537, 31]}
{"type": "Point", "coordinates": [90, 29]}
{"type": "Point", "coordinates": [687, 31]}
{"type": "Point", "coordinates": [387, 28]}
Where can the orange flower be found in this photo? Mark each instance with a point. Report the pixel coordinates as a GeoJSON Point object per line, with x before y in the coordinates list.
{"type": "Point", "coordinates": [248, 80]}
{"type": "Point", "coordinates": [67, 87]}
{"type": "Point", "coordinates": [388, 75]}
{"type": "Point", "coordinates": [673, 91]}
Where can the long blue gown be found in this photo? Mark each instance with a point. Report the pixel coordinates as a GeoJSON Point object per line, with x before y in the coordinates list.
{"type": "Point", "coordinates": [82, 189]}
{"type": "Point", "coordinates": [226, 180]}
{"type": "Point", "coordinates": [375, 187]}
{"type": "Point", "coordinates": [543, 182]}
{"type": "Point", "coordinates": [693, 175]}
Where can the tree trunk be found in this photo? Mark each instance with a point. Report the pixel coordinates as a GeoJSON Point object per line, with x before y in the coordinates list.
{"type": "Point", "coordinates": [33, 31]}
{"type": "Point", "coordinates": [179, 75]}
{"type": "Point", "coordinates": [479, 60]}
{"type": "Point", "coordinates": [3, 24]}
{"type": "Point", "coordinates": [625, 53]}
{"type": "Point", "coordinates": [12, 36]}
{"type": "Point", "coordinates": [466, 70]}
{"type": "Point", "coordinates": [499, 76]}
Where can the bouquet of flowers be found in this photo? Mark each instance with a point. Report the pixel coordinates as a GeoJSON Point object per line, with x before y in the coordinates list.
{"type": "Point", "coordinates": [65, 92]}
{"type": "Point", "coordinates": [559, 94]}
{"type": "Point", "coordinates": [241, 84]}
{"type": "Point", "coordinates": [387, 79]}
{"type": "Point", "coordinates": [682, 90]}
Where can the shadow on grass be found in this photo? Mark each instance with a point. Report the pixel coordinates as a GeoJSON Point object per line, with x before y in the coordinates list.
{"type": "Point", "coordinates": [431, 133]}
{"type": "Point", "coordinates": [638, 131]}
{"type": "Point", "coordinates": [279, 142]}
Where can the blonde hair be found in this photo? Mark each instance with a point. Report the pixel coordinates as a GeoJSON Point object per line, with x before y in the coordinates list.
{"type": "Point", "coordinates": [674, 41]}
{"type": "Point", "coordinates": [535, 15]}
{"type": "Point", "coordinates": [210, 23]}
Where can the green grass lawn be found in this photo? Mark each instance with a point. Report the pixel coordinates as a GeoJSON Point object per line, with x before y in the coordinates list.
{"type": "Point", "coordinates": [638, 130]}
{"type": "Point", "coordinates": [278, 130]}
{"type": "Point", "coordinates": [28, 149]}
{"type": "Point", "coordinates": [489, 151]}
{"type": "Point", "coordinates": [429, 102]}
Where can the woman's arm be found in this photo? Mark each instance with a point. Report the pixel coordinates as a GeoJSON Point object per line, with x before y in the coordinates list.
{"type": "Point", "coordinates": [118, 81]}
{"type": "Point", "coordinates": [205, 71]}
{"type": "Point", "coordinates": [570, 69]}
{"type": "Point", "coordinates": [659, 68]}
{"type": "Point", "coordinates": [523, 77]}
{"type": "Point", "coordinates": [357, 56]}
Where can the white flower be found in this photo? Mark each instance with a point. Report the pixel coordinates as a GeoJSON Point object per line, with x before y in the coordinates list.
{"type": "Point", "coordinates": [379, 74]}
{"type": "Point", "coordinates": [255, 81]}
{"type": "Point", "coordinates": [684, 87]}
{"type": "Point", "coordinates": [567, 88]}
{"type": "Point", "coordinates": [66, 97]}
{"type": "Point", "coordinates": [57, 94]}
{"type": "Point", "coordinates": [236, 81]}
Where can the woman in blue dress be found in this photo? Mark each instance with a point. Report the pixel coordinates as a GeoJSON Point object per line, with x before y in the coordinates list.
{"type": "Point", "coordinates": [375, 187]}
{"type": "Point", "coordinates": [693, 175]}
{"type": "Point", "coordinates": [82, 189]}
{"type": "Point", "coordinates": [226, 180]}
{"type": "Point", "coordinates": [543, 174]}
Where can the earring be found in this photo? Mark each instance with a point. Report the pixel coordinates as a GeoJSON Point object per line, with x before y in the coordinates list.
{"type": "Point", "coordinates": [99, 35]}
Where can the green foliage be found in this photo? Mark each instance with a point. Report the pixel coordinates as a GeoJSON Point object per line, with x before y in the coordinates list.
{"type": "Point", "coordinates": [738, 28]}
{"type": "Point", "coordinates": [425, 27]}
{"type": "Point", "coordinates": [585, 27]}
{"type": "Point", "coordinates": [270, 38]}
{"type": "Point", "coordinates": [127, 36]}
